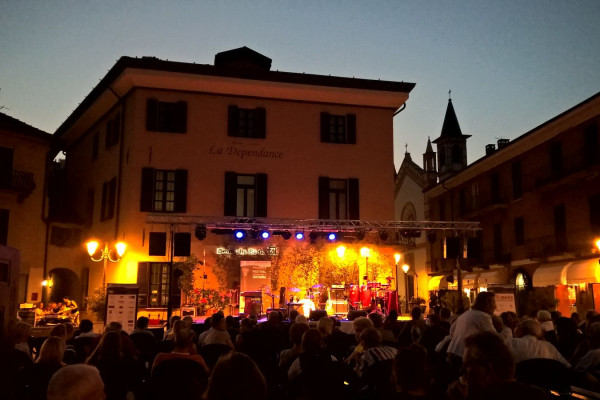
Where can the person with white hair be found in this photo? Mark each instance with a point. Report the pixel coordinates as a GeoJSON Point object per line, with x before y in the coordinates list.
{"type": "Point", "coordinates": [76, 382]}
{"type": "Point", "coordinates": [528, 343]}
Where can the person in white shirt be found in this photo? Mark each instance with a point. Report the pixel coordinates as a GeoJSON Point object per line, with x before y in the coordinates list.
{"type": "Point", "coordinates": [528, 343]}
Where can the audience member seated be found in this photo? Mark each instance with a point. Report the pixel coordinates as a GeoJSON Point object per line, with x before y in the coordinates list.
{"type": "Point", "coordinates": [20, 337]}
{"type": "Point", "coordinates": [375, 366]}
{"type": "Point", "coordinates": [218, 333]}
{"type": "Point", "coordinates": [548, 331]}
{"type": "Point", "coordinates": [250, 384]}
{"type": "Point", "coordinates": [391, 323]}
{"type": "Point", "coordinates": [359, 324]}
{"type": "Point", "coordinates": [185, 347]}
{"type": "Point", "coordinates": [412, 330]}
{"type": "Point", "coordinates": [568, 337]}
{"type": "Point", "coordinates": [169, 327]}
{"type": "Point", "coordinates": [411, 374]}
{"type": "Point", "coordinates": [33, 380]}
{"type": "Point", "coordinates": [528, 343]}
{"type": "Point", "coordinates": [386, 334]}
{"type": "Point", "coordinates": [76, 382]}
{"type": "Point", "coordinates": [589, 365]}
{"type": "Point", "coordinates": [489, 372]}
{"type": "Point", "coordinates": [287, 356]}
{"type": "Point", "coordinates": [144, 341]}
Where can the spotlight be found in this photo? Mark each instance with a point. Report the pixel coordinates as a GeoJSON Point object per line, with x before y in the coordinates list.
{"type": "Point", "coordinates": [284, 234]}
{"type": "Point", "coordinates": [383, 235]}
{"type": "Point", "coordinates": [265, 234]}
{"type": "Point", "coordinates": [360, 234]}
{"type": "Point", "coordinates": [200, 232]}
{"type": "Point", "coordinates": [299, 235]}
{"type": "Point", "coordinates": [331, 236]}
{"type": "Point", "coordinates": [239, 234]}
{"type": "Point", "coordinates": [313, 235]}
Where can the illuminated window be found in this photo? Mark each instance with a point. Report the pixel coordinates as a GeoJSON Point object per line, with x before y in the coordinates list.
{"type": "Point", "coordinates": [245, 195]}
{"type": "Point", "coordinates": [338, 128]}
{"type": "Point", "coordinates": [158, 289]}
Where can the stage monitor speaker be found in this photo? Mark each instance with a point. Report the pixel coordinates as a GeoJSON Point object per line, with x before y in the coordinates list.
{"type": "Point", "coordinates": [453, 247]}
{"type": "Point", "coordinates": [353, 314]}
{"type": "Point", "coordinates": [182, 244]}
{"type": "Point", "coordinates": [316, 315]}
{"type": "Point", "coordinates": [157, 244]}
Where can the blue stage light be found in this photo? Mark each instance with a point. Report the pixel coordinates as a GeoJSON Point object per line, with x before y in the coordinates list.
{"type": "Point", "coordinates": [239, 234]}
{"type": "Point", "coordinates": [331, 236]}
{"type": "Point", "coordinates": [265, 234]}
{"type": "Point", "coordinates": [300, 235]}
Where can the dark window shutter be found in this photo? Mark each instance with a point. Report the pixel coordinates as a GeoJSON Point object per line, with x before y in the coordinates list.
{"type": "Point", "coordinates": [261, 123]}
{"type": "Point", "coordinates": [108, 134]}
{"type": "Point", "coordinates": [261, 195]}
{"type": "Point", "coordinates": [4, 213]}
{"type": "Point", "coordinates": [181, 117]}
{"type": "Point", "coordinates": [151, 114]}
{"type": "Point", "coordinates": [103, 209]}
{"type": "Point", "coordinates": [157, 244]}
{"type": "Point", "coordinates": [112, 194]}
{"type": "Point", "coordinates": [233, 121]}
{"type": "Point", "coordinates": [230, 193]}
{"type": "Point", "coordinates": [353, 195]}
{"type": "Point", "coordinates": [147, 194]}
{"type": "Point", "coordinates": [142, 283]}
{"type": "Point", "coordinates": [351, 129]}
{"type": "Point", "coordinates": [181, 190]}
{"type": "Point", "coordinates": [6, 166]}
{"type": "Point", "coordinates": [324, 127]}
{"type": "Point", "coordinates": [182, 244]}
{"type": "Point", "coordinates": [323, 197]}
{"type": "Point", "coordinates": [117, 128]}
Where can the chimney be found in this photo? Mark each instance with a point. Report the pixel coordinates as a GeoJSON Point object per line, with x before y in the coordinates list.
{"type": "Point", "coordinates": [490, 149]}
{"type": "Point", "coordinates": [502, 143]}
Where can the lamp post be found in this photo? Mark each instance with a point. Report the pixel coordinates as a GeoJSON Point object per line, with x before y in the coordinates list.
{"type": "Point", "coordinates": [105, 254]}
{"type": "Point", "coordinates": [365, 252]}
{"type": "Point", "coordinates": [405, 268]}
{"type": "Point", "coordinates": [397, 257]}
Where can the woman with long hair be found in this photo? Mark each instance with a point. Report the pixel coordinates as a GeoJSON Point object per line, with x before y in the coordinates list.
{"type": "Point", "coordinates": [33, 380]}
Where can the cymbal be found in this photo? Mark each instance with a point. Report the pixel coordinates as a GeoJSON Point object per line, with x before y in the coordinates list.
{"type": "Point", "coordinates": [318, 285]}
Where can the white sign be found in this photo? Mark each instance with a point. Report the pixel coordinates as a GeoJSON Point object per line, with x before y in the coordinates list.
{"type": "Point", "coordinates": [249, 251]}
{"type": "Point", "coordinates": [122, 308]}
{"type": "Point", "coordinates": [505, 302]}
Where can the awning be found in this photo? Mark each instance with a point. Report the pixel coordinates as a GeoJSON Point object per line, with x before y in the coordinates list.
{"type": "Point", "coordinates": [550, 274]}
{"type": "Point", "coordinates": [585, 271]}
{"type": "Point", "coordinates": [497, 276]}
{"type": "Point", "coordinates": [437, 283]}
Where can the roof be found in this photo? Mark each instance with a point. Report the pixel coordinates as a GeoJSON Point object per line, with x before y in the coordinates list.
{"type": "Point", "coordinates": [409, 168]}
{"type": "Point", "coordinates": [233, 64]}
{"type": "Point", "coordinates": [451, 127]}
{"type": "Point", "coordinates": [11, 124]}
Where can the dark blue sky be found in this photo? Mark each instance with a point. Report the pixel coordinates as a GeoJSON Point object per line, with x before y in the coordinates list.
{"type": "Point", "coordinates": [511, 64]}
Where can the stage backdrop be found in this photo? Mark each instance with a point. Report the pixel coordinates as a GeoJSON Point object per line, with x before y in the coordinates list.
{"type": "Point", "coordinates": [255, 277]}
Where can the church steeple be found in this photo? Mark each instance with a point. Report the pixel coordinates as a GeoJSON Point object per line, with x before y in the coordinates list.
{"type": "Point", "coordinates": [429, 165]}
{"type": "Point", "coordinates": [451, 145]}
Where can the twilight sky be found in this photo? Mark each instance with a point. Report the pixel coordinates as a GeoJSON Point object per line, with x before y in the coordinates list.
{"type": "Point", "coordinates": [511, 64]}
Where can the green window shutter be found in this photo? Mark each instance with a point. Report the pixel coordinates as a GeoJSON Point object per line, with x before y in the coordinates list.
{"type": "Point", "coordinates": [351, 129]}
{"type": "Point", "coordinates": [325, 127]}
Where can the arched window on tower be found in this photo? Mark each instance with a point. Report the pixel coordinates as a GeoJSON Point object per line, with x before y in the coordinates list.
{"type": "Point", "coordinates": [456, 154]}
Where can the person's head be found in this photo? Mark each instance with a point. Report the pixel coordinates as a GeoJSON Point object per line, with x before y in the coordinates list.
{"type": "Point", "coordinates": [184, 340]}
{"type": "Point", "coordinates": [529, 327]}
{"type": "Point", "coordinates": [416, 313]}
{"type": "Point", "coordinates": [486, 302]}
{"type": "Point", "coordinates": [218, 321]}
{"type": "Point", "coordinates": [566, 329]}
{"type": "Point", "coordinates": [312, 341]}
{"type": "Point", "coordinates": [59, 330]}
{"type": "Point", "coordinates": [509, 319]}
{"type": "Point", "coordinates": [76, 382]}
{"type": "Point", "coordinates": [325, 326]}
{"type": "Point", "coordinates": [70, 330]}
{"type": "Point", "coordinates": [142, 323]}
{"type": "Point", "coordinates": [543, 316]}
{"type": "Point", "coordinates": [178, 325]}
{"type": "Point", "coordinates": [370, 337]}
{"type": "Point", "coordinates": [189, 321]}
{"type": "Point", "coordinates": [392, 316]}
{"type": "Point", "coordinates": [52, 350]}
{"type": "Point", "coordinates": [360, 324]}
{"type": "Point", "coordinates": [434, 320]}
{"type": "Point", "coordinates": [555, 315]}
{"type": "Point", "coordinates": [410, 372]}
{"type": "Point", "coordinates": [172, 320]}
{"type": "Point", "coordinates": [487, 360]}
{"type": "Point", "coordinates": [575, 317]}
{"type": "Point", "coordinates": [109, 347]}
{"type": "Point", "coordinates": [296, 332]}
{"type": "Point", "coordinates": [376, 318]}
{"type": "Point", "coordinates": [301, 318]}
{"type": "Point", "coordinates": [445, 313]}
{"type": "Point", "coordinates": [86, 325]}
{"type": "Point", "coordinates": [274, 317]}
{"type": "Point", "coordinates": [293, 315]}
{"type": "Point", "coordinates": [114, 326]}
{"type": "Point", "coordinates": [497, 322]}
{"type": "Point", "coordinates": [247, 324]}
{"type": "Point", "coordinates": [250, 383]}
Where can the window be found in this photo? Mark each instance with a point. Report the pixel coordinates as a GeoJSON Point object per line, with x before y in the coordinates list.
{"type": "Point", "coordinates": [109, 191]}
{"type": "Point", "coordinates": [6, 167]}
{"type": "Point", "coordinates": [475, 196]}
{"type": "Point", "coordinates": [4, 226]}
{"type": "Point", "coordinates": [519, 231]}
{"type": "Point", "coordinates": [89, 208]}
{"type": "Point", "coordinates": [338, 198]}
{"type": "Point", "coordinates": [65, 237]}
{"type": "Point", "coordinates": [166, 117]}
{"type": "Point", "coordinates": [595, 214]}
{"type": "Point", "coordinates": [556, 158]}
{"type": "Point", "coordinates": [247, 122]}
{"type": "Point", "coordinates": [590, 137]}
{"type": "Point", "coordinates": [456, 154]}
{"type": "Point", "coordinates": [95, 145]}
{"type": "Point", "coordinates": [158, 284]}
{"type": "Point", "coordinates": [164, 190]}
{"type": "Point", "coordinates": [113, 131]}
{"type": "Point", "coordinates": [4, 271]}
{"type": "Point", "coordinates": [517, 181]}
{"type": "Point", "coordinates": [338, 128]}
{"type": "Point", "coordinates": [245, 195]}
{"type": "Point", "coordinates": [495, 187]}
{"type": "Point", "coordinates": [560, 227]}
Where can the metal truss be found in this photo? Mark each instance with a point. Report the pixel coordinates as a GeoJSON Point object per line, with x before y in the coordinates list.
{"type": "Point", "coordinates": [318, 225]}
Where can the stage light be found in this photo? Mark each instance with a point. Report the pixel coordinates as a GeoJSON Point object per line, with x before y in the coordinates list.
{"type": "Point", "coordinates": [200, 232]}
{"type": "Point", "coordinates": [265, 235]}
{"type": "Point", "coordinates": [383, 235]}
{"type": "Point", "coordinates": [239, 234]}
{"type": "Point", "coordinates": [331, 236]}
{"type": "Point", "coordinates": [313, 235]}
{"type": "Point", "coordinates": [299, 235]}
{"type": "Point", "coordinates": [360, 234]}
{"type": "Point", "coordinates": [284, 234]}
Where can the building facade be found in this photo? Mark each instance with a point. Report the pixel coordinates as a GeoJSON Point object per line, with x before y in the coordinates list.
{"type": "Point", "coordinates": [537, 199]}
{"type": "Point", "coordinates": [172, 157]}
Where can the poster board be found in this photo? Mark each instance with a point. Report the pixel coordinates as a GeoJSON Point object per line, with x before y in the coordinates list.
{"type": "Point", "coordinates": [505, 302]}
{"type": "Point", "coordinates": [255, 277]}
{"type": "Point", "coordinates": [121, 305]}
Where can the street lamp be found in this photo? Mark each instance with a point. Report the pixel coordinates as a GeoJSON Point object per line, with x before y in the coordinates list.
{"type": "Point", "coordinates": [397, 257]}
{"type": "Point", "coordinates": [365, 252]}
{"type": "Point", "coordinates": [405, 268]}
{"type": "Point", "coordinates": [105, 254]}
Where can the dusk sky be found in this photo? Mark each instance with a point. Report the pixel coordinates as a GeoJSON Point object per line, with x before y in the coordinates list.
{"type": "Point", "coordinates": [511, 64]}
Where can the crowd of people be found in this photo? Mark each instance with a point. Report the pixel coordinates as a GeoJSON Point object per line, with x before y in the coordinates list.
{"type": "Point", "coordinates": [473, 355]}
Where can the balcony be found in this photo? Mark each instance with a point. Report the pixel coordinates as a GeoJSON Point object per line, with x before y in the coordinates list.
{"type": "Point", "coordinates": [18, 182]}
{"type": "Point", "coordinates": [544, 247]}
{"type": "Point", "coordinates": [572, 171]}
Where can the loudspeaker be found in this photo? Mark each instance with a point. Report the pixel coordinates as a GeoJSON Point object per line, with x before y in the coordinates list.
{"type": "Point", "coordinates": [157, 244]}
{"type": "Point", "coordinates": [282, 295]}
{"type": "Point", "coordinates": [473, 248]}
{"type": "Point", "coordinates": [200, 232]}
{"type": "Point", "coordinates": [453, 247]}
{"type": "Point", "coordinates": [352, 315]}
{"type": "Point", "coordinates": [181, 244]}
{"type": "Point", "coordinates": [316, 315]}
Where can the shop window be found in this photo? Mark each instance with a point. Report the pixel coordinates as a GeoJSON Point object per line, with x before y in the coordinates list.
{"type": "Point", "coordinates": [164, 190]}
{"type": "Point", "coordinates": [245, 195]}
{"type": "Point", "coordinates": [247, 122]}
{"type": "Point", "coordinates": [164, 116]}
{"type": "Point", "coordinates": [338, 198]}
{"type": "Point", "coordinates": [338, 128]}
